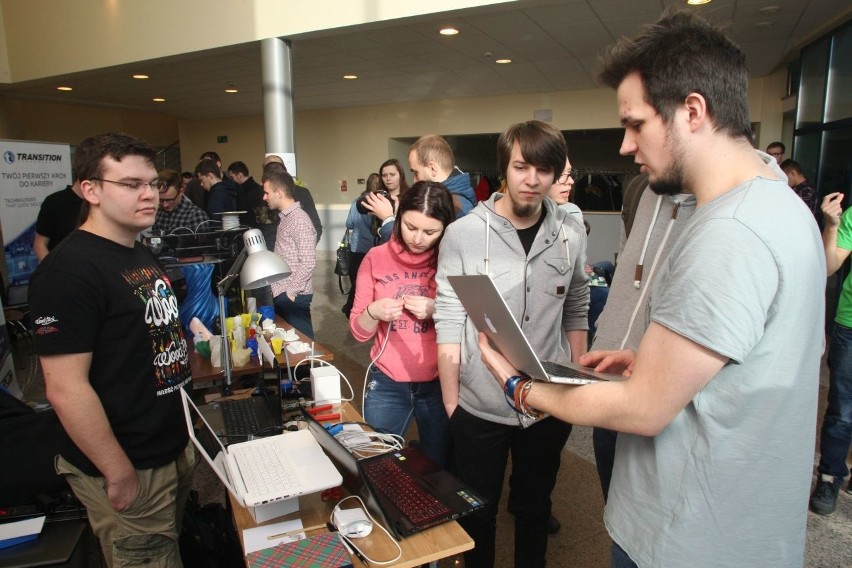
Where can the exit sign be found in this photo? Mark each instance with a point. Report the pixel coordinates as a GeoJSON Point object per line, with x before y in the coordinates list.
{"type": "Point", "coordinates": [221, 139]}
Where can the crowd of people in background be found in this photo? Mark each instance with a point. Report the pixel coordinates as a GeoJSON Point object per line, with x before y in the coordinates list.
{"type": "Point", "coordinates": [714, 382]}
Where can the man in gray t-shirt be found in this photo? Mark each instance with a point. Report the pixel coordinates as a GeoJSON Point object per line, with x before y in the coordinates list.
{"type": "Point", "coordinates": [718, 410]}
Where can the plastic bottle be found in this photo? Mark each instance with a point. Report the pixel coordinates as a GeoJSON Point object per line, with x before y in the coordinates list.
{"type": "Point", "coordinates": [251, 343]}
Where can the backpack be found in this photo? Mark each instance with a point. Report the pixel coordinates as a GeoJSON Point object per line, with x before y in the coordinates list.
{"type": "Point", "coordinates": [208, 538]}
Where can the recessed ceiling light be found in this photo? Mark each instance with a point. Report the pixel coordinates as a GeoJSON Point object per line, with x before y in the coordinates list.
{"type": "Point", "coordinates": [140, 76]}
{"type": "Point", "coordinates": [64, 88]}
{"type": "Point", "coordinates": [159, 100]}
{"type": "Point", "coordinates": [232, 90]}
{"type": "Point", "coordinates": [350, 76]}
{"type": "Point", "coordinates": [697, 2]}
{"type": "Point", "coordinates": [503, 60]}
{"type": "Point", "coordinates": [448, 31]}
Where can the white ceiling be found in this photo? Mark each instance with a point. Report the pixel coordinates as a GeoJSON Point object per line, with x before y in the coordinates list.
{"type": "Point", "coordinates": [553, 45]}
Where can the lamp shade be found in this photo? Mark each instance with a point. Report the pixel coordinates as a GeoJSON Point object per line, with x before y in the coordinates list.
{"type": "Point", "coordinates": [262, 266]}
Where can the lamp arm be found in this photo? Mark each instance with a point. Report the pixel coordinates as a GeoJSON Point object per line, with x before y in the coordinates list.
{"type": "Point", "coordinates": [222, 287]}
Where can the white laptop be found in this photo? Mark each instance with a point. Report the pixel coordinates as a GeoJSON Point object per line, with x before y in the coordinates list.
{"type": "Point", "coordinates": [489, 313]}
{"type": "Point", "coordinates": [265, 470]}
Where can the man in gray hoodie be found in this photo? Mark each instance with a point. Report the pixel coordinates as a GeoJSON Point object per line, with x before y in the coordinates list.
{"type": "Point", "coordinates": [535, 254]}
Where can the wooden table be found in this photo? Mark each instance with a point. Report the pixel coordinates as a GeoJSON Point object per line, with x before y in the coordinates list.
{"type": "Point", "coordinates": [205, 374]}
{"type": "Point", "coordinates": [438, 542]}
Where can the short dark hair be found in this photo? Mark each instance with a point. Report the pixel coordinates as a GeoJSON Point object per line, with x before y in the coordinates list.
{"type": "Point", "coordinates": [239, 168]}
{"type": "Point", "coordinates": [777, 145]}
{"type": "Point", "coordinates": [681, 54]}
{"type": "Point", "coordinates": [403, 184]}
{"type": "Point", "coordinates": [171, 178]}
{"type": "Point", "coordinates": [210, 155]}
{"type": "Point", "coordinates": [433, 148]}
{"type": "Point", "coordinates": [89, 155]}
{"type": "Point", "coordinates": [791, 166]}
{"type": "Point", "coordinates": [280, 180]}
{"type": "Point", "coordinates": [541, 144]}
{"type": "Point", "coordinates": [430, 198]}
{"type": "Point", "coordinates": [187, 175]}
{"type": "Point", "coordinates": [274, 167]}
{"type": "Point", "coordinates": [206, 167]}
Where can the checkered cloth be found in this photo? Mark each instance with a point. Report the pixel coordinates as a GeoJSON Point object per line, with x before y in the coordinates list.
{"type": "Point", "coordinates": [321, 551]}
{"type": "Point", "coordinates": [296, 243]}
{"type": "Point", "coordinates": [186, 214]}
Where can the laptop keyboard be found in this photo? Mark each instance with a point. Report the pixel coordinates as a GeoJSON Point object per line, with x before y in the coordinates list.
{"type": "Point", "coordinates": [400, 488]}
{"type": "Point", "coordinates": [263, 471]}
{"type": "Point", "coordinates": [241, 418]}
{"type": "Point", "coordinates": [557, 370]}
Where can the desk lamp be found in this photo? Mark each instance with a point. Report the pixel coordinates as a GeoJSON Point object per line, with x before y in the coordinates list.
{"type": "Point", "coordinates": [256, 266]}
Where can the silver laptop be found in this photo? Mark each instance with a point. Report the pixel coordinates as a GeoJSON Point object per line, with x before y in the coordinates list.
{"type": "Point", "coordinates": [264, 470]}
{"type": "Point", "coordinates": [489, 313]}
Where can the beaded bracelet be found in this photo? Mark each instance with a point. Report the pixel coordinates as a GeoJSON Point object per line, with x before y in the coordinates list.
{"type": "Point", "coordinates": [526, 410]}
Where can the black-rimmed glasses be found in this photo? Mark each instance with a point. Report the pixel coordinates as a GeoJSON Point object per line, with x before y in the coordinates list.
{"type": "Point", "coordinates": [573, 173]}
{"type": "Point", "coordinates": [156, 185]}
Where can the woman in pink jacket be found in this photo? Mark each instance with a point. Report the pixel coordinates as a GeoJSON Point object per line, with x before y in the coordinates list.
{"type": "Point", "coordinates": [394, 303]}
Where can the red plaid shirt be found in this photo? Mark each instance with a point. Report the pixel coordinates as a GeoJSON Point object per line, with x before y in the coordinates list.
{"type": "Point", "coordinates": [296, 242]}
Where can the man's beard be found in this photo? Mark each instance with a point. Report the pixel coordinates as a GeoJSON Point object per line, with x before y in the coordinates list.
{"type": "Point", "coordinates": [671, 180]}
{"type": "Point", "coordinates": [525, 210]}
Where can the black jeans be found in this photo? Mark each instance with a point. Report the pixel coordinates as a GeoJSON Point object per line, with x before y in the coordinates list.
{"type": "Point", "coordinates": [482, 450]}
{"type": "Point", "coordinates": [355, 259]}
{"type": "Point", "coordinates": [603, 441]}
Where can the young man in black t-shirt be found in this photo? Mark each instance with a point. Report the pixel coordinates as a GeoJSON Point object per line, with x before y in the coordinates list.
{"type": "Point", "coordinates": [115, 358]}
{"type": "Point", "coordinates": [58, 216]}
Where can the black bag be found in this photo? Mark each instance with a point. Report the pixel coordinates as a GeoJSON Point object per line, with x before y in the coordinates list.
{"type": "Point", "coordinates": [29, 442]}
{"type": "Point", "coordinates": [208, 538]}
{"type": "Point", "coordinates": [341, 267]}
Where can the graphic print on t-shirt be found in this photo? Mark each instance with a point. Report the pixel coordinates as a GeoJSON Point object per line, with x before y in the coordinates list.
{"type": "Point", "coordinates": [168, 345]}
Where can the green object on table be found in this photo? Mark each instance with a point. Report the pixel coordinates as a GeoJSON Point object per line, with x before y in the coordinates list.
{"type": "Point", "coordinates": [203, 349]}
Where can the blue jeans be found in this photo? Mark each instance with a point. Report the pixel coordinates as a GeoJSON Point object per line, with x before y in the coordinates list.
{"type": "Point", "coordinates": [297, 313]}
{"type": "Point", "coordinates": [836, 434]}
{"type": "Point", "coordinates": [390, 406]}
{"type": "Point", "coordinates": [619, 559]}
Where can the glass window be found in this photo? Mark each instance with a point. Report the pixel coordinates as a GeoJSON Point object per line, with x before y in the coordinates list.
{"type": "Point", "coordinates": [835, 168]}
{"type": "Point", "coordinates": [839, 96]}
{"type": "Point", "coordinates": [812, 87]}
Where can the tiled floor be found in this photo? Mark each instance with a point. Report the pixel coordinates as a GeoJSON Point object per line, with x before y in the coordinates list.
{"type": "Point", "coordinates": [583, 541]}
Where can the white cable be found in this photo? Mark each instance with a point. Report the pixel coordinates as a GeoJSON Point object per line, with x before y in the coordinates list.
{"type": "Point", "coordinates": [350, 542]}
{"type": "Point", "coordinates": [367, 373]}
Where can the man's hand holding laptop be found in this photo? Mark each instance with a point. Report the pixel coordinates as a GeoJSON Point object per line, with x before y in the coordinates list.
{"type": "Point", "coordinates": [618, 362]}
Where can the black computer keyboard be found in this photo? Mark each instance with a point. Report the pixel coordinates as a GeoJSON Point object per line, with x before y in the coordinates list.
{"type": "Point", "coordinates": [400, 488]}
{"type": "Point", "coordinates": [242, 417]}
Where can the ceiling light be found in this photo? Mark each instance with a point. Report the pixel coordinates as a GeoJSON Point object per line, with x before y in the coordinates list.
{"type": "Point", "coordinates": [350, 76]}
{"type": "Point", "coordinates": [232, 90]}
{"type": "Point", "coordinates": [140, 76]}
{"type": "Point", "coordinates": [64, 88]}
{"type": "Point", "coordinates": [697, 2]}
{"type": "Point", "coordinates": [158, 100]}
{"type": "Point", "coordinates": [503, 60]}
{"type": "Point", "coordinates": [448, 31]}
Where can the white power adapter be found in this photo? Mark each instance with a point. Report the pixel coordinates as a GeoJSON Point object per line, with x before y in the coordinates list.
{"type": "Point", "coordinates": [325, 384]}
{"type": "Point", "coordinates": [352, 523]}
